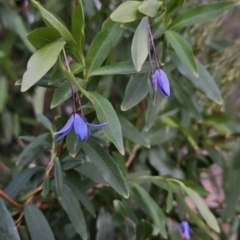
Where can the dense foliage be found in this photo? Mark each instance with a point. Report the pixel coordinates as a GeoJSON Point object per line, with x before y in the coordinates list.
{"type": "Point", "coordinates": [118, 120]}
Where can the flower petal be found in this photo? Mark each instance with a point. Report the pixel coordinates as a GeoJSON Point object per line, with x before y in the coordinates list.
{"type": "Point", "coordinates": [67, 127]}
{"type": "Point", "coordinates": [80, 127]}
{"type": "Point", "coordinates": [63, 135]}
{"type": "Point", "coordinates": [163, 82]}
{"type": "Point", "coordinates": [98, 126]}
{"type": "Point", "coordinates": [153, 82]}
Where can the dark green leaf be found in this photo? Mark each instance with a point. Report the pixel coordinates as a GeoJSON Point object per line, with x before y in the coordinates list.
{"type": "Point", "coordinates": [43, 36]}
{"type": "Point", "coordinates": [169, 197]}
{"type": "Point", "coordinates": [40, 63]}
{"type": "Point", "coordinates": [37, 224]}
{"type": "Point", "coordinates": [46, 187]}
{"type": "Point", "coordinates": [73, 143]}
{"type": "Point", "coordinates": [71, 206]}
{"type": "Point", "coordinates": [151, 208]}
{"type": "Point", "coordinates": [20, 180]}
{"type": "Point", "coordinates": [8, 230]}
{"type": "Point", "coordinates": [45, 122]}
{"type": "Point", "coordinates": [107, 114]}
{"type": "Point", "coordinates": [127, 12]}
{"type": "Point", "coordinates": [3, 92]}
{"type": "Point", "coordinates": [201, 14]}
{"type": "Point", "coordinates": [183, 50]}
{"type": "Point", "coordinates": [131, 133]}
{"type": "Point", "coordinates": [107, 166]}
{"type": "Point", "coordinates": [120, 208]}
{"type": "Point", "coordinates": [144, 230]}
{"type": "Point", "coordinates": [139, 48]}
{"type": "Point", "coordinates": [102, 45]}
{"type": "Point", "coordinates": [70, 163]}
{"type": "Point", "coordinates": [136, 90]}
{"type": "Point", "coordinates": [58, 178]}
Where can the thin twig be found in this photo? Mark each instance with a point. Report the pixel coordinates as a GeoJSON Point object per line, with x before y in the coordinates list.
{"type": "Point", "coordinates": [10, 200]}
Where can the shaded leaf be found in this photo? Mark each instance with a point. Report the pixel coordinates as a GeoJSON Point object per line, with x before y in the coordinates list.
{"type": "Point", "coordinates": [8, 230]}
{"type": "Point", "coordinates": [37, 224]}
{"type": "Point", "coordinates": [107, 166]}
{"type": "Point", "coordinates": [45, 122]}
{"type": "Point", "coordinates": [58, 178]}
{"type": "Point", "coordinates": [136, 90]}
{"type": "Point", "coordinates": [73, 143]}
{"type": "Point", "coordinates": [144, 230]}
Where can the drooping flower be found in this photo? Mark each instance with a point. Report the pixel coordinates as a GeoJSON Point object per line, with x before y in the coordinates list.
{"type": "Point", "coordinates": [185, 229]}
{"type": "Point", "coordinates": [153, 81]}
{"type": "Point", "coordinates": [162, 82]}
{"type": "Point", "coordinates": [80, 127]}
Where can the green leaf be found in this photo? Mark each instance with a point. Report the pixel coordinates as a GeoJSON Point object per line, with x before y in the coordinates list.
{"type": "Point", "coordinates": [8, 230]}
{"type": "Point", "coordinates": [151, 208]}
{"type": "Point", "coordinates": [183, 50]}
{"type": "Point", "coordinates": [169, 197]}
{"type": "Point", "coordinates": [71, 206]}
{"type": "Point", "coordinates": [20, 180]}
{"type": "Point", "coordinates": [80, 192]}
{"type": "Point", "coordinates": [78, 23]}
{"type": "Point", "coordinates": [54, 22]}
{"type": "Point", "coordinates": [107, 166]}
{"type": "Point", "coordinates": [185, 98]}
{"type": "Point", "coordinates": [37, 224]}
{"type": "Point", "coordinates": [203, 82]}
{"type": "Point", "coordinates": [144, 230]}
{"type": "Point", "coordinates": [43, 36]}
{"type": "Point", "coordinates": [35, 143]}
{"type": "Point", "coordinates": [45, 122]}
{"type": "Point", "coordinates": [46, 187]}
{"type": "Point", "coordinates": [120, 68]}
{"type": "Point", "coordinates": [203, 209]}
{"type": "Point", "coordinates": [139, 48]}
{"type": "Point", "coordinates": [70, 163]}
{"type": "Point", "coordinates": [201, 14]}
{"type": "Point", "coordinates": [150, 7]}
{"type": "Point", "coordinates": [106, 113]}
{"type": "Point", "coordinates": [174, 6]}
{"type": "Point", "coordinates": [120, 208]}
{"type": "Point", "coordinates": [73, 143]}
{"type": "Point", "coordinates": [131, 133]}
{"type": "Point", "coordinates": [102, 45]}
{"type": "Point", "coordinates": [126, 12]}
{"type": "Point", "coordinates": [58, 178]}
{"type": "Point", "coordinates": [136, 91]}
{"type": "Point", "coordinates": [40, 63]}
{"type": "Point", "coordinates": [3, 92]}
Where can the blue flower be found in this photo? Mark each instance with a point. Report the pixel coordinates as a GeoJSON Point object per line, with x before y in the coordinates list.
{"type": "Point", "coordinates": [162, 82]}
{"type": "Point", "coordinates": [80, 127]}
{"type": "Point", "coordinates": [185, 229]}
{"type": "Point", "coordinates": [153, 81]}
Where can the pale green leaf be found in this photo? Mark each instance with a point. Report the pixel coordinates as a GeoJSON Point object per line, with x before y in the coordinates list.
{"type": "Point", "coordinates": [44, 121]}
{"type": "Point", "coordinates": [150, 7]}
{"type": "Point", "coordinates": [139, 48]}
{"type": "Point", "coordinates": [102, 45]}
{"type": "Point", "coordinates": [126, 12]}
{"type": "Point", "coordinates": [106, 113]}
{"type": "Point", "coordinates": [183, 50]}
{"type": "Point", "coordinates": [40, 63]}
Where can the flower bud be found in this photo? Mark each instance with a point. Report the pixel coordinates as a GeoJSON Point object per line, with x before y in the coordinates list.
{"type": "Point", "coordinates": [153, 82]}
{"type": "Point", "coordinates": [162, 82]}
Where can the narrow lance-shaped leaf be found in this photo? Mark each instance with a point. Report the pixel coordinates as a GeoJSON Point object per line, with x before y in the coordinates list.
{"type": "Point", "coordinates": [71, 206]}
{"type": "Point", "coordinates": [58, 178]}
{"type": "Point", "coordinates": [55, 22]}
{"type": "Point", "coordinates": [106, 113]}
{"type": "Point", "coordinates": [107, 166]}
{"type": "Point", "coordinates": [139, 47]}
{"type": "Point", "coordinates": [40, 63]}
{"type": "Point", "coordinates": [183, 50]}
{"type": "Point", "coordinates": [201, 14]}
{"type": "Point", "coordinates": [78, 23]}
{"type": "Point", "coordinates": [136, 90]}
{"type": "Point", "coordinates": [8, 229]}
{"type": "Point", "coordinates": [102, 45]}
{"type": "Point", "coordinates": [127, 12]}
{"type": "Point", "coordinates": [150, 8]}
{"type": "Point", "coordinates": [37, 224]}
